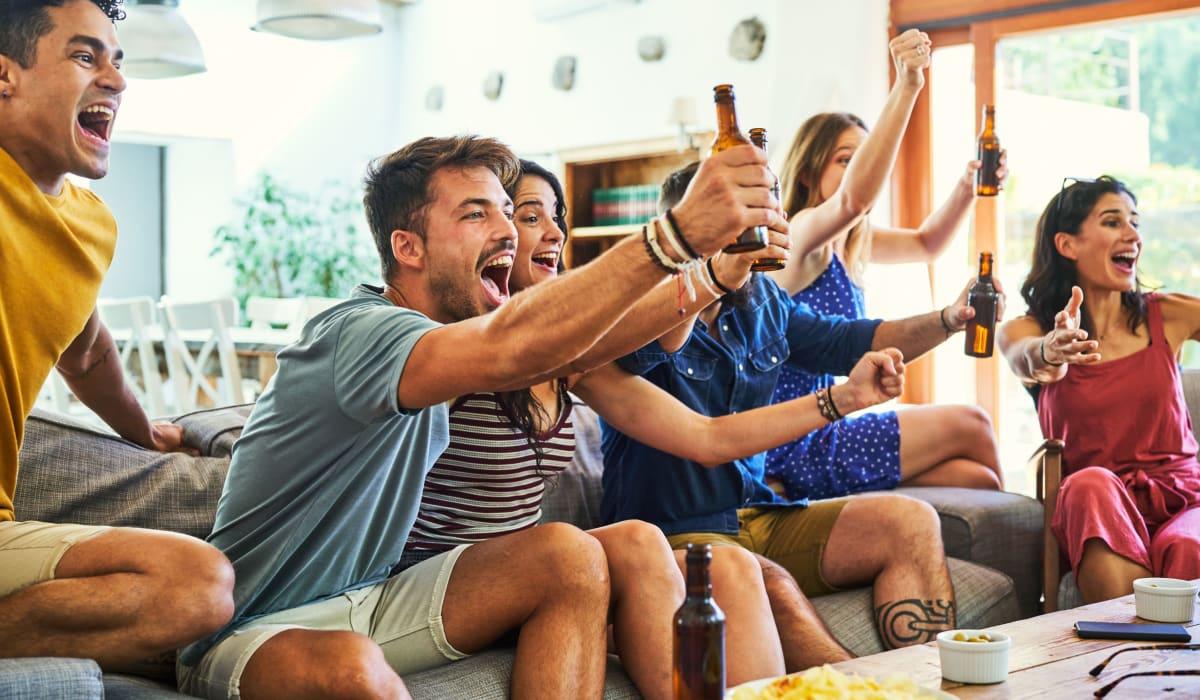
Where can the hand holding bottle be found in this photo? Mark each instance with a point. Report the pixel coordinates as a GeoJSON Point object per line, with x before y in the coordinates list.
{"type": "Point", "coordinates": [730, 193]}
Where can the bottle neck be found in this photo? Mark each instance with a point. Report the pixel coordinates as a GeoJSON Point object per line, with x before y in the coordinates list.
{"type": "Point", "coordinates": [727, 123]}
{"type": "Point", "coordinates": [699, 582]}
{"type": "Point", "coordinates": [989, 120]}
{"type": "Point", "coordinates": [985, 267]}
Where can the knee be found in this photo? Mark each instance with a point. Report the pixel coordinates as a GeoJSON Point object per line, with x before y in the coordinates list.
{"type": "Point", "coordinates": [734, 568]}
{"type": "Point", "coordinates": [636, 543]}
{"type": "Point", "coordinates": [359, 669]}
{"type": "Point", "coordinates": [908, 523]}
{"type": "Point", "coordinates": [1089, 485]}
{"type": "Point", "coordinates": [973, 423]}
{"type": "Point", "coordinates": [201, 599]}
{"type": "Point", "coordinates": [575, 559]}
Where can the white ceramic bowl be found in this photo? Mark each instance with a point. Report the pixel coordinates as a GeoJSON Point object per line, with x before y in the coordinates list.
{"type": "Point", "coordinates": [974, 662]}
{"type": "Point", "coordinates": [1165, 599]}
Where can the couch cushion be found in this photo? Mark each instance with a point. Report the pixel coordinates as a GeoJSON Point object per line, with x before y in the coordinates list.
{"type": "Point", "coordinates": [72, 473]}
{"type": "Point", "coordinates": [40, 678]}
{"type": "Point", "coordinates": [984, 597]}
{"type": "Point", "coordinates": [573, 496]}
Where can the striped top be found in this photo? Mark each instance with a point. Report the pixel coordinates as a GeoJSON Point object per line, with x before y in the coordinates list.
{"type": "Point", "coordinates": [488, 482]}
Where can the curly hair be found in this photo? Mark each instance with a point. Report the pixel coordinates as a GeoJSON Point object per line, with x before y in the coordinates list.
{"type": "Point", "coordinates": [1048, 287]}
{"type": "Point", "coordinates": [24, 22]}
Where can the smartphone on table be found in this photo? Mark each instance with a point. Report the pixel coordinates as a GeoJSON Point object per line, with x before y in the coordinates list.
{"type": "Point", "coordinates": [1153, 632]}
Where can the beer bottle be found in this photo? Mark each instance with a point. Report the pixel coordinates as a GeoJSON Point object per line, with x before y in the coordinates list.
{"type": "Point", "coordinates": [699, 665]}
{"type": "Point", "coordinates": [728, 136]}
{"type": "Point", "coordinates": [982, 296]}
{"type": "Point", "coordinates": [758, 136]}
{"type": "Point", "coordinates": [986, 182]}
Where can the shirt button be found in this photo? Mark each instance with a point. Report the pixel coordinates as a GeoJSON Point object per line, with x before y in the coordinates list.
{"type": "Point", "coordinates": [689, 370]}
{"type": "Point", "coordinates": [774, 359]}
{"type": "Point", "coordinates": [725, 326]}
{"type": "Point", "coordinates": [740, 367]}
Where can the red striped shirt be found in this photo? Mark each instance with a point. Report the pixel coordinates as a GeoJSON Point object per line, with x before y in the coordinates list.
{"type": "Point", "coordinates": [488, 482]}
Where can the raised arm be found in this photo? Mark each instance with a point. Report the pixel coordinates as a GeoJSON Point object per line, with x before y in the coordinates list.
{"type": "Point", "coordinates": [930, 240]}
{"type": "Point", "coordinates": [541, 332]}
{"type": "Point", "coordinates": [650, 415]}
{"type": "Point", "coordinates": [91, 366]}
{"type": "Point", "coordinates": [868, 170]}
{"type": "Point", "coordinates": [1038, 357]}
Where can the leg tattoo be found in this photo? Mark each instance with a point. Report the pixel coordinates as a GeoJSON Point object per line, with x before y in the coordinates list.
{"type": "Point", "coordinates": [903, 623]}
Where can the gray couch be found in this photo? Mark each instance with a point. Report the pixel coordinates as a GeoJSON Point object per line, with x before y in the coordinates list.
{"type": "Point", "coordinates": [70, 473]}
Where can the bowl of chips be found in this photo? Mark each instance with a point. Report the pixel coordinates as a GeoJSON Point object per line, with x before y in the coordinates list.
{"type": "Point", "coordinates": [974, 656]}
{"type": "Point", "coordinates": [828, 683]}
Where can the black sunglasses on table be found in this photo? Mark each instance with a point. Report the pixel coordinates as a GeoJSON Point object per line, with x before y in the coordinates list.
{"type": "Point", "coordinates": [1105, 690]}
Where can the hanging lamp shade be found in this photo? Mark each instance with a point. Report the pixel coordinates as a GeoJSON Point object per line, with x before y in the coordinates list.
{"type": "Point", "coordinates": [158, 42]}
{"type": "Point", "coordinates": [319, 19]}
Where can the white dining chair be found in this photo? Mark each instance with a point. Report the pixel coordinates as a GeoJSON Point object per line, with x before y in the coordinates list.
{"type": "Point", "coordinates": [131, 322]}
{"type": "Point", "coordinates": [203, 325]}
{"type": "Point", "coordinates": [271, 312]}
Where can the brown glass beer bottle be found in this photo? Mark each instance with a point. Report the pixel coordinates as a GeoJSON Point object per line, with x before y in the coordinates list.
{"type": "Point", "coordinates": [982, 296]}
{"type": "Point", "coordinates": [986, 182]}
{"type": "Point", "coordinates": [758, 137]}
{"type": "Point", "coordinates": [728, 136]}
{"type": "Point", "coordinates": [699, 668]}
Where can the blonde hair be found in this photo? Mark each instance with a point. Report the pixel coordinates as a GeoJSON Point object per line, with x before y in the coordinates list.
{"type": "Point", "coordinates": [811, 151]}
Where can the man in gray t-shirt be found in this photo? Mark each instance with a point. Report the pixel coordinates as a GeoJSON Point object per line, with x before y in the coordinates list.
{"type": "Point", "coordinates": [326, 479]}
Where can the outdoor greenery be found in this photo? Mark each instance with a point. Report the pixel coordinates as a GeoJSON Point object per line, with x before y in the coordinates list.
{"type": "Point", "coordinates": [290, 242]}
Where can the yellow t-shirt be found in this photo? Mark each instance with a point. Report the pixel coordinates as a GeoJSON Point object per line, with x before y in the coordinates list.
{"type": "Point", "coordinates": [54, 252]}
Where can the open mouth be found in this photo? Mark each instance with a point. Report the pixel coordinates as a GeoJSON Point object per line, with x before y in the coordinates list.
{"type": "Point", "coordinates": [1125, 262]}
{"type": "Point", "coordinates": [547, 260]}
{"type": "Point", "coordinates": [494, 278]}
{"type": "Point", "coordinates": [96, 122]}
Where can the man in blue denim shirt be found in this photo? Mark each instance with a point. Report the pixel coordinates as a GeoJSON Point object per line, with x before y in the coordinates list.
{"type": "Point", "coordinates": [730, 362]}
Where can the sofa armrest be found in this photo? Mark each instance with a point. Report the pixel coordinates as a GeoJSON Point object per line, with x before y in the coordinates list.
{"type": "Point", "coordinates": [38, 678]}
{"type": "Point", "coordinates": [998, 529]}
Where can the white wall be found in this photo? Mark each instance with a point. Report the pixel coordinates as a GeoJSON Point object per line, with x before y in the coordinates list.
{"type": "Point", "coordinates": [311, 112]}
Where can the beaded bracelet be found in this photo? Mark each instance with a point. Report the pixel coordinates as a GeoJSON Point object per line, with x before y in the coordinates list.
{"type": "Point", "coordinates": [1042, 352]}
{"type": "Point", "coordinates": [712, 274]}
{"type": "Point", "coordinates": [653, 251]}
{"type": "Point", "coordinates": [942, 315]}
{"type": "Point", "coordinates": [826, 406]}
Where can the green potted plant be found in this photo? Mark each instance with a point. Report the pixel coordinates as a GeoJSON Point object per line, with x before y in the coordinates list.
{"type": "Point", "coordinates": [290, 242]}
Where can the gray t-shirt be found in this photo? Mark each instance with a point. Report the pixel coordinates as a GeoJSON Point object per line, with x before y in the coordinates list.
{"type": "Point", "coordinates": [326, 478]}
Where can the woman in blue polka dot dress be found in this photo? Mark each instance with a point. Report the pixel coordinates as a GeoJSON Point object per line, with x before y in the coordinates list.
{"type": "Point", "coordinates": [833, 174]}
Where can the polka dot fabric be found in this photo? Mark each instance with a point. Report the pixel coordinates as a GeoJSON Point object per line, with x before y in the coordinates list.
{"type": "Point", "coordinates": [856, 454]}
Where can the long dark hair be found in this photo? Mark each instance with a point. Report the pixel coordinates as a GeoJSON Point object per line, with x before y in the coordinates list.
{"type": "Point", "coordinates": [520, 405]}
{"type": "Point", "coordinates": [1048, 287]}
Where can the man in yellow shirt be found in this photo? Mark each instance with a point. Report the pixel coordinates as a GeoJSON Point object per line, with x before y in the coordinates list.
{"type": "Point", "coordinates": [116, 595]}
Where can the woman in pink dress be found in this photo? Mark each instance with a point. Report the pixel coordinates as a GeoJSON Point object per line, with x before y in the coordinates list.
{"type": "Point", "coordinates": [1101, 357]}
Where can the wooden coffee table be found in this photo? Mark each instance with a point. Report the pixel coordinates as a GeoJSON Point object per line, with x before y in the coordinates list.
{"type": "Point", "coordinates": [1047, 660]}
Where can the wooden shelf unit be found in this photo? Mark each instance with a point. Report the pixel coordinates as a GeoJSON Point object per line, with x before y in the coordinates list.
{"type": "Point", "coordinates": [615, 165]}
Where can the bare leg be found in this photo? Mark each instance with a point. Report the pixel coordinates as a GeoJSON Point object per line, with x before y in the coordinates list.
{"type": "Point", "coordinates": [894, 542]}
{"type": "Point", "coordinates": [1103, 574]}
{"type": "Point", "coordinates": [805, 638]}
{"type": "Point", "coordinates": [111, 596]}
{"type": "Point", "coordinates": [646, 590]}
{"type": "Point", "coordinates": [301, 664]}
{"type": "Point", "coordinates": [752, 648]}
{"type": "Point", "coordinates": [948, 446]}
{"type": "Point", "coordinates": [552, 581]}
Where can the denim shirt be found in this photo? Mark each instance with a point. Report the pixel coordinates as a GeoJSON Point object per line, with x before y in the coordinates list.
{"type": "Point", "coordinates": [716, 378]}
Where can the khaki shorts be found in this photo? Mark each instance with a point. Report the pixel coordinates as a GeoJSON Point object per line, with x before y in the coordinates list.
{"type": "Point", "coordinates": [792, 536]}
{"type": "Point", "coordinates": [403, 615]}
{"type": "Point", "coordinates": [30, 551]}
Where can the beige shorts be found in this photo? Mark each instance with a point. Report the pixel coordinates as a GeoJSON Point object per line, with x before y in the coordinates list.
{"type": "Point", "coordinates": [403, 615]}
{"type": "Point", "coordinates": [30, 551]}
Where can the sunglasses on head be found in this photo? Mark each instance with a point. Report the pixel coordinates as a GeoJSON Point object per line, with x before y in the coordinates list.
{"type": "Point", "coordinates": [1062, 194]}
